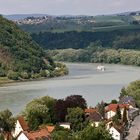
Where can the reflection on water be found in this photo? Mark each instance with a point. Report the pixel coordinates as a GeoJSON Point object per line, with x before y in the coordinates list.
{"type": "Point", "coordinates": [83, 79]}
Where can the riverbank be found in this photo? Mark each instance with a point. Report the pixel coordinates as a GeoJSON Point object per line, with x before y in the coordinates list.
{"type": "Point", "coordinates": [59, 70]}
{"type": "Point", "coordinates": [97, 54]}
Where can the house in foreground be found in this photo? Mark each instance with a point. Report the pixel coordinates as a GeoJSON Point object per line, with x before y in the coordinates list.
{"type": "Point", "coordinates": [22, 132]}
{"type": "Point", "coordinates": [42, 134]}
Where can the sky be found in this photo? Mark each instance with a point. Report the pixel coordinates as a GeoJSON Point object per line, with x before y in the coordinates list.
{"type": "Point", "coordinates": [68, 7]}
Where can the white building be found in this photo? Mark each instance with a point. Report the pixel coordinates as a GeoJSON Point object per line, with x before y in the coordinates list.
{"type": "Point", "coordinates": [110, 110]}
{"type": "Point", "coordinates": [117, 134]}
{"type": "Point", "coordinates": [20, 126]}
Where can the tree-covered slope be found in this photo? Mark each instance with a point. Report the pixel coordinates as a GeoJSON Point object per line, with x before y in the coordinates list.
{"type": "Point", "coordinates": [128, 38]}
{"type": "Point", "coordinates": [19, 55]}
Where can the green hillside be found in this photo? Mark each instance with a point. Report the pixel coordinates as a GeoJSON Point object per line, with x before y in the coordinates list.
{"type": "Point", "coordinates": [20, 57]}
{"type": "Point", "coordinates": [128, 38]}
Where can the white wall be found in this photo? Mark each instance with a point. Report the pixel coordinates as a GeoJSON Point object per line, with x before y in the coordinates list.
{"type": "Point", "coordinates": [22, 137]}
{"type": "Point", "coordinates": [18, 129]}
{"type": "Point", "coordinates": [115, 134]}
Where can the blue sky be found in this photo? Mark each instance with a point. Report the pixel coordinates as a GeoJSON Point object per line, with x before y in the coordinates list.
{"type": "Point", "coordinates": [68, 7]}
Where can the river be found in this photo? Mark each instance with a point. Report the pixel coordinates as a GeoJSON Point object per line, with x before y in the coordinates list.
{"type": "Point", "coordinates": [83, 79]}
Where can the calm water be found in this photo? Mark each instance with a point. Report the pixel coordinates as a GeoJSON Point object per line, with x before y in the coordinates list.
{"type": "Point", "coordinates": [83, 79]}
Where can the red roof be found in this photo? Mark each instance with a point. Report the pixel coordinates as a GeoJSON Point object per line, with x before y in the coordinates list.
{"type": "Point", "coordinates": [90, 110]}
{"type": "Point", "coordinates": [43, 133]}
{"type": "Point", "coordinates": [23, 123]}
{"type": "Point", "coordinates": [50, 128]}
{"type": "Point", "coordinates": [113, 107]}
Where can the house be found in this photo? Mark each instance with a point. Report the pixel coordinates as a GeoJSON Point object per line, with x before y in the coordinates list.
{"type": "Point", "coordinates": [93, 116]}
{"type": "Point", "coordinates": [22, 132]}
{"type": "Point", "coordinates": [108, 124]}
{"type": "Point", "coordinates": [110, 110]}
{"type": "Point", "coordinates": [20, 126]}
{"type": "Point", "coordinates": [116, 132]}
{"type": "Point", "coordinates": [34, 135]}
{"type": "Point", "coordinates": [128, 100]}
{"type": "Point", "coordinates": [65, 125]}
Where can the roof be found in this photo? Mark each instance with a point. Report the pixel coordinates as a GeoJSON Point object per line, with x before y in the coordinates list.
{"type": "Point", "coordinates": [90, 110]}
{"type": "Point", "coordinates": [113, 107]}
{"type": "Point", "coordinates": [94, 116]}
{"type": "Point", "coordinates": [50, 128]}
{"type": "Point", "coordinates": [23, 123]}
{"type": "Point", "coordinates": [43, 133]}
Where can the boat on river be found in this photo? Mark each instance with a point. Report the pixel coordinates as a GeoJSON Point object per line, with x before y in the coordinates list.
{"type": "Point", "coordinates": [101, 68]}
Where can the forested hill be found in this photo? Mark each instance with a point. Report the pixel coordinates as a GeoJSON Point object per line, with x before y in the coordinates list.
{"type": "Point", "coordinates": [127, 38]}
{"type": "Point", "coordinates": [20, 56]}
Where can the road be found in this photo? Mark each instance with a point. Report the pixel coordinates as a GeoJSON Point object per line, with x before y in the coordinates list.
{"type": "Point", "coordinates": [134, 130]}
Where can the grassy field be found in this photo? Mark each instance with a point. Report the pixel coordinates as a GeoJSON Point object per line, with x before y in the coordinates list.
{"type": "Point", "coordinates": [137, 17]}
{"type": "Point", "coordinates": [100, 29]}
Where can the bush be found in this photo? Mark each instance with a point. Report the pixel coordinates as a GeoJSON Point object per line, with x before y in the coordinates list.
{"type": "Point", "coordinates": [35, 76]}
{"type": "Point", "coordinates": [13, 75]}
{"type": "Point", "coordinates": [2, 73]}
{"type": "Point", "coordinates": [24, 75]}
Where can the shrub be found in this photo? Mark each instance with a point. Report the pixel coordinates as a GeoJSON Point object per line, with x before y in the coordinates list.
{"type": "Point", "coordinates": [13, 75]}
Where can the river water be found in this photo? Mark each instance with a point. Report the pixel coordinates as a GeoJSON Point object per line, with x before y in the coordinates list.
{"type": "Point", "coordinates": [83, 79]}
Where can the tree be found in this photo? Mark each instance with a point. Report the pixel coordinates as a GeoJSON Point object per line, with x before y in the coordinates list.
{"type": "Point", "coordinates": [62, 105]}
{"type": "Point", "coordinates": [7, 122]}
{"type": "Point", "coordinates": [76, 101]}
{"type": "Point", "coordinates": [36, 115]}
{"type": "Point", "coordinates": [133, 90]}
{"type": "Point", "coordinates": [93, 133]}
{"type": "Point", "coordinates": [114, 101]}
{"type": "Point", "coordinates": [101, 108]}
{"type": "Point", "coordinates": [77, 118]}
{"type": "Point", "coordinates": [123, 93]}
{"type": "Point", "coordinates": [61, 133]}
{"type": "Point", "coordinates": [40, 111]}
{"type": "Point", "coordinates": [125, 120]}
{"type": "Point", "coordinates": [117, 117]}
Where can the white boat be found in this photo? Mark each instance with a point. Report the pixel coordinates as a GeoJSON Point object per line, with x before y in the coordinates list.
{"type": "Point", "coordinates": [101, 68]}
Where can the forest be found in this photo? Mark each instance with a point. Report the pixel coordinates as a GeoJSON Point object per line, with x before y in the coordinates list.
{"type": "Point", "coordinates": [120, 38]}
{"type": "Point", "coordinates": [95, 53]}
{"type": "Point", "coordinates": [21, 57]}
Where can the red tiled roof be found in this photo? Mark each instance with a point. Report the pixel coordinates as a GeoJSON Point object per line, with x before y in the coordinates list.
{"type": "Point", "coordinates": [23, 123]}
{"type": "Point", "coordinates": [113, 107]}
{"type": "Point", "coordinates": [43, 133]}
{"type": "Point", "coordinates": [90, 110]}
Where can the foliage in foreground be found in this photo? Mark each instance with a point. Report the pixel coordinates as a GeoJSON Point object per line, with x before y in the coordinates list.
{"type": "Point", "coordinates": [88, 133]}
{"type": "Point", "coordinates": [47, 110]}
